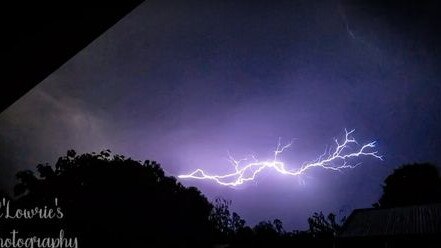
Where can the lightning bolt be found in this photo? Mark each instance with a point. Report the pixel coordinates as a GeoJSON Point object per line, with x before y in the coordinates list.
{"type": "Point", "coordinates": [342, 13]}
{"type": "Point", "coordinates": [335, 159]}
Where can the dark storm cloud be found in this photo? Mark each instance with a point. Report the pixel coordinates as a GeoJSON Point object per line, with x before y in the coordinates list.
{"type": "Point", "coordinates": [183, 82]}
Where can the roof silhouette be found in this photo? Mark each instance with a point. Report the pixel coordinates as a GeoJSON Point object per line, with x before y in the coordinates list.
{"type": "Point", "coordinates": [412, 220]}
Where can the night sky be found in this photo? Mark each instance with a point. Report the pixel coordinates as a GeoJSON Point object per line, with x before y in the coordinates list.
{"type": "Point", "coordinates": [184, 82]}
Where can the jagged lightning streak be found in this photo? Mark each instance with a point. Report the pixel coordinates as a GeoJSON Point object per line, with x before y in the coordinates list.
{"type": "Point", "coordinates": [335, 159]}
{"type": "Point", "coordinates": [342, 13]}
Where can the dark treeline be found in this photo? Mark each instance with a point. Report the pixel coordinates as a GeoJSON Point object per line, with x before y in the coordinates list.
{"type": "Point", "coordinates": [112, 201]}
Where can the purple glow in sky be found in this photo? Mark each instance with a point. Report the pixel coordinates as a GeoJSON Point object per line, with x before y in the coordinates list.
{"type": "Point", "coordinates": [246, 169]}
{"type": "Point", "coordinates": [183, 82]}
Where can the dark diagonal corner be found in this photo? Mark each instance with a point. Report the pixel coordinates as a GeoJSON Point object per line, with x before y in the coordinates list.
{"type": "Point", "coordinates": [41, 36]}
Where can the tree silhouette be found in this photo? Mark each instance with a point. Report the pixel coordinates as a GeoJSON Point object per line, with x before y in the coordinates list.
{"type": "Point", "coordinates": [113, 201]}
{"type": "Point", "coordinates": [266, 232]}
{"type": "Point", "coordinates": [411, 184]}
{"type": "Point", "coordinates": [226, 224]}
{"type": "Point", "coordinates": [319, 225]}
